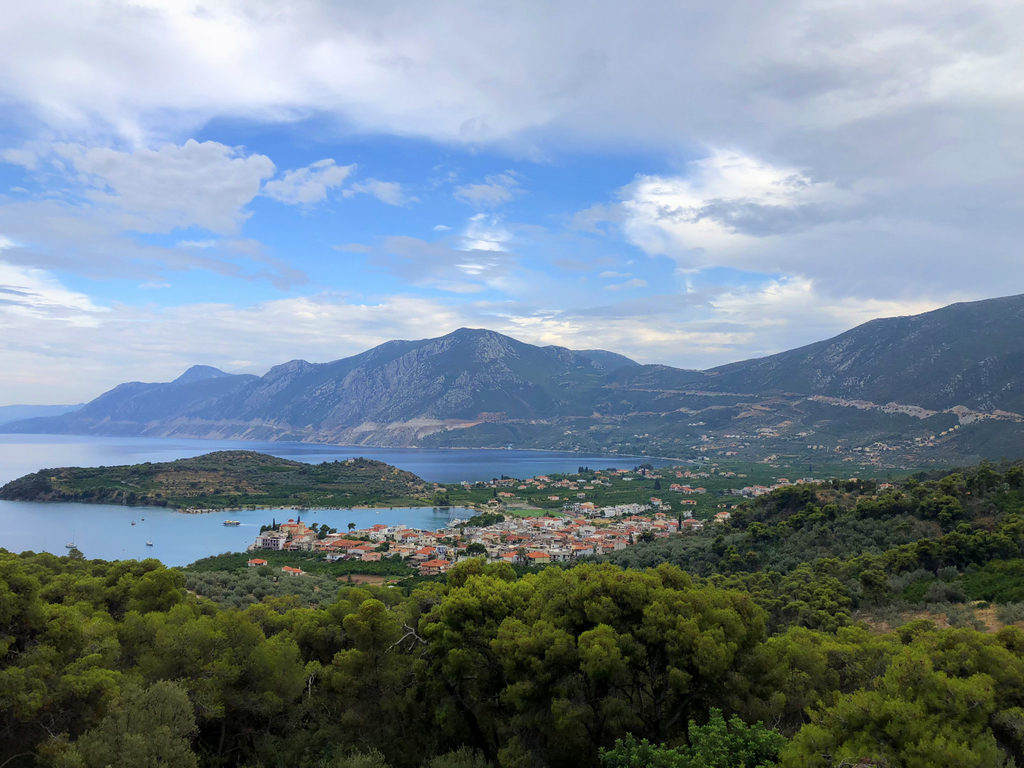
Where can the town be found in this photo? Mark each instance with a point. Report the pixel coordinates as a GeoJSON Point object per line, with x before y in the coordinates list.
{"type": "Point", "coordinates": [508, 529]}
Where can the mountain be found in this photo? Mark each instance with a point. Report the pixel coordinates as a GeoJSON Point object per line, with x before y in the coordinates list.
{"type": "Point", "coordinates": [199, 373]}
{"type": "Point", "coordinates": [10, 413]}
{"type": "Point", "coordinates": [942, 386]}
{"type": "Point", "coordinates": [969, 354]}
{"type": "Point", "coordinates": [390, 394]}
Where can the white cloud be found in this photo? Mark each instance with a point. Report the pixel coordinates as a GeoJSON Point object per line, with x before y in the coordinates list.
{"type": "Point", "coordinates": [35, 293]}
{"type": "Point", "coordinates": [196, 184]}
{"type": "Point", "coordinates": [609, 274]}
{"type": "Point", "coordinates": [304, 186]}
{"type": "Point", "coordinates": [721, 211]}
{"type": "Point", "coordinates": [636, 282]}
{"type": "Point", "coordinates": [493, 192]}
{"type": "Point", "coordinates": [389, 192]}
{"type": "Point", "coordinates": [450, 268]}
{"type": "Point", "coordinates": [485, 232]}
{"type": "Point", "coordinates": [441, 228]}
{"type": "Point", "coordinates": [59, 235]}
{"type": "Point", "coordinates": [20, 156]}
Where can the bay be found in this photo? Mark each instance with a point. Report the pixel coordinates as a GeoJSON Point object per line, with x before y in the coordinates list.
{"type": "Point", "coordinates": [105, 531]}
{"type": "Point", "coordinates": [21, 454]}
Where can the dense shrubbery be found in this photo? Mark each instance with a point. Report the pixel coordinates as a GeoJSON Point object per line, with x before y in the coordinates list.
{"type": "Point", "coordinates": [818, 556]}
{"type": "Point", "coordinates": [118, 664]}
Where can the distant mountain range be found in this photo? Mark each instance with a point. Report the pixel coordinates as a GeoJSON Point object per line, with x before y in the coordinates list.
{"type": "Point", "coordinates": [10, 413]}
{"type": "Point", "coordinates": [946, 385]}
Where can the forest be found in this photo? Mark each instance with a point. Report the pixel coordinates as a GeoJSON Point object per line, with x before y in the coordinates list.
{"type": "Point", "coordinates": [830, 624]}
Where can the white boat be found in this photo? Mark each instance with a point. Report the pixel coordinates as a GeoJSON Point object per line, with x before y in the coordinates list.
{"type": "Point", "coordinates": [70, 545]}
{"type": "Point", "coordinates": [149, 543]}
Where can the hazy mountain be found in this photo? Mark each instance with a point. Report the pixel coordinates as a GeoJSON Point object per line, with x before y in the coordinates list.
{"type": "Point", "coordinates": [389, 393]}
{"type": "Point", "coordinates": [10, 413]}
{"type": "Point", "coordinates": [199, 373]}
{"type": "Point", "coordinates": [947, 384]}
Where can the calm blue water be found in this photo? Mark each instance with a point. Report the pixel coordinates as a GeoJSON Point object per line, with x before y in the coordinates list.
{"type": "Point", "coordinates": [103, 531]}
{"type": "Point", "coordinates": [21, 454]}
{"type": "Point", "coordinates": [106, 531]}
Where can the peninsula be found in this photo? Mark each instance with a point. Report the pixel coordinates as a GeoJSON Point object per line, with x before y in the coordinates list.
{"type": "Point", "coordinates": [226, 480]}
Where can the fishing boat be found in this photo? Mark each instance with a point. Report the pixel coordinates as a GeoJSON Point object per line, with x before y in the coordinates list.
{"type": "Point", "coordinates": [232, 522]}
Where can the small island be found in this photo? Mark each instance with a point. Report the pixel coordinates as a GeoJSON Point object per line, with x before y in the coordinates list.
{"type": "Point", "coordinates": [228, 480]}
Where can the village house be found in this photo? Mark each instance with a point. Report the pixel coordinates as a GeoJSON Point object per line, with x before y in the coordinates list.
{"type": "Point", "coordinates": [434, 567]}
{"type": "Point", "coordinates": [272, 540]}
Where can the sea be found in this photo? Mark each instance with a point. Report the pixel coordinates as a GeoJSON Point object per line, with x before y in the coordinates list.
{"type": "Point", "coordinates": [115, 532]}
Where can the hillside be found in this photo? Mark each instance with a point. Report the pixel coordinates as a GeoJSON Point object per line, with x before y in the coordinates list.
{"type": "Point", "coordinates": [225, 479]}
{"type": "Point", "coordinates": [968, 354]}
{"type": "Point", "coordinates": [942, 387]}
{"type": "Point", "coordinates": [872, 648]}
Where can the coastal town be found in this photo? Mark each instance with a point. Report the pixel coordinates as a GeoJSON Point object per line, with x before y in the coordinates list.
{"type": "Point", "coordinates": [506, 529]}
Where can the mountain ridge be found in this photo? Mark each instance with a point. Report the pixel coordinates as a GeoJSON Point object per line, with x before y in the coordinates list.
{"type": "Point", "coordinates": [913, 382]}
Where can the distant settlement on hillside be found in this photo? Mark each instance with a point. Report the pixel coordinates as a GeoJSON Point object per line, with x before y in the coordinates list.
{"type": "Point", "coordinates": [580, 528]}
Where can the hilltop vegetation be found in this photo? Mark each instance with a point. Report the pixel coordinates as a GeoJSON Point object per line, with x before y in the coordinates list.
{"type": "Point", "coordinates": [825, 555]}
{"type": "Point", "coordinates": [116, 663]}
{"type": "Point", "coordinates": [226, 479]}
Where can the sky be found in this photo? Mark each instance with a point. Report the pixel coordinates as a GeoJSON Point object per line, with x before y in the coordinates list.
{"type": "Point", "coordinates": [240, 184]}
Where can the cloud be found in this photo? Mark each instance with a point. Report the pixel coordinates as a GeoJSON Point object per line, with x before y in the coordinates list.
{"type": "Point", "coordinates": [26, 158]}
{"type": "Point", "coordinates": [51, 234]}
{"type": "Point", "coordinates": [485, 232]}
{"type": "Point", "coordinates": [495, 190]}
{"type": "Point", "coordinates": [305, 186]}
{"type": "Point", "coordinates": [721, 210]}
{"type": "Point", "coordinates": [388, 192]}
{"type": "Point", "coordinates": [636, 282]}
{"type": "Point", "coordinates": [34, 293]}
{"type": "Point", "coordinates": [444, 266]}
{"type": "Point", "coordinates": [196, 184]}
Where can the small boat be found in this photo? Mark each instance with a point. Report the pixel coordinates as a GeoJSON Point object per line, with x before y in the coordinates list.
{"type": "Point", "coordinates": [133, 522]}
{"type": "Point", "coordinates": [232, 522]}
{"type": "Point", "coordinates": [70, 545]}
{"type": "Point", "coordinates": [149, 543]}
